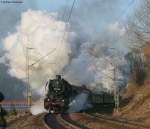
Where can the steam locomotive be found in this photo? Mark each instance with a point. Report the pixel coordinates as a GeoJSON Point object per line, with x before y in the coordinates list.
{"type": "Point", "coordinates": [60, 93]}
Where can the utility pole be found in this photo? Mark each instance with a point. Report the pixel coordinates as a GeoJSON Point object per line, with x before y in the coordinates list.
{"type": "Point", "coordinates": [29, 92]}
{"type": "Point", "coordinates": [116, 89]}
{"type": "Point", "coordinates": [116, 93]}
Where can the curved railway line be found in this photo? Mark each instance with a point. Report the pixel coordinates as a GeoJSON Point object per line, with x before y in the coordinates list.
{"type": "Point", "coordinates": [58, 121]}
{"type": "Point", "coordinates": [50, 122]}
{"type": "Point", "coordinates": [120, 123]}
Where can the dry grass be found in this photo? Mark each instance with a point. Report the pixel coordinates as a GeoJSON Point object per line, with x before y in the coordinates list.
{"type": "Point", "coordinates": [27, 122]}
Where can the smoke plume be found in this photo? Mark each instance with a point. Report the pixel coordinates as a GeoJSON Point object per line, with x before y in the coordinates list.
{"type": "Point", "coordinates": [44, 38]}
{"type": "Point", "coordinates": [78, 104]}
{"type": "Point", "coordinates": [38, 107]}
{"type": "Point", "coordinates": [42, 32]}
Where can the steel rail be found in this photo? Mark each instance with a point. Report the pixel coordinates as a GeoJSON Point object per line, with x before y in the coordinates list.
{"type": "Point", "coordinates": [45, 123]}
{"type": "Point", "coordinates": [58, 120]}
{"type": "Point", "coordinates": [117, 121]}
{"type": "Point", "coordinates": [66, 123]}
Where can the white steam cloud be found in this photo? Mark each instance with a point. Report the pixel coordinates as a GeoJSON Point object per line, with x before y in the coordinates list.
{"type": "Point", "coordinates": [42, 32]}
{"type": "Point", "coordinates": [38, 107]}
{"type": "Point", "coordinates": [79, 103]}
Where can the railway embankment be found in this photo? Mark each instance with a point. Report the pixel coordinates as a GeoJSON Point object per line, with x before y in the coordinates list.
{"type": "Point", "coordinates": [138, 109]}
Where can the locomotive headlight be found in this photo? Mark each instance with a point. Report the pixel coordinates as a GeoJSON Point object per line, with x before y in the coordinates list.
{"type": "Point", "coordinates": [63, 100]}
{"type": "Point", "coordinates": [52, 111]}
{"type": "Point", "coordinates": [48, 99]}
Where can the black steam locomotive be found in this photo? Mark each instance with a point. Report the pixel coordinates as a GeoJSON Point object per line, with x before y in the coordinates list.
{"type": "Point", "coordinates": [60, 93]}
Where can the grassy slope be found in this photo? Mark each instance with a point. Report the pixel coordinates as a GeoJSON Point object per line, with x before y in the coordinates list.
{"type": "Point", "coordinates": [139, 107]}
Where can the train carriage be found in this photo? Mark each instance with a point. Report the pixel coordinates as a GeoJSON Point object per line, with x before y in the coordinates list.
{"type": "Point", "coordinates": [101, 98]}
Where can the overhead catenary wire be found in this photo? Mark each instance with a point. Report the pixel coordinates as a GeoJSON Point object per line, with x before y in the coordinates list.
{"type": "Point", "coordinates": [64, 33]}
{"type": "Point", "coordinates": [66, 23]}
{"type": "Point", "coordinates": [72, 7]}
{"type": "Point", "coordinates": [65, 10]}
{"type": "Point", "coordinates": [43, 57]}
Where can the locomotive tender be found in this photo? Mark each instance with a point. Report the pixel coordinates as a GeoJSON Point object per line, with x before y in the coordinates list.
{"type": "Point", "coordinates": [60, 93]}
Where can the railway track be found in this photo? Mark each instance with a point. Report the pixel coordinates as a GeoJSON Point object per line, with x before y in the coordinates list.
{"type": "Point", "coordinates": [68, 119]}
{"type": "Point", "coordinates": [120, 123]}
{"type": "Point", "coordinates": [53, 121]}
{"type": "Point", "coordinates": [58, 121]}
{"type": "Point", "coordinates": [50, 122]}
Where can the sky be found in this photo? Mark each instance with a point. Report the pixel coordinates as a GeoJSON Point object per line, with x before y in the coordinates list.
{"type": "Point", "coordinates": [38, 4]}
{"type": "Point", "coordinates": [10, 14]}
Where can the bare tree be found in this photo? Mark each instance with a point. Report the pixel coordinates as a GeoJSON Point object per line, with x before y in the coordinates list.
{"type": "Point", "coordinates": [137, 67]}
{"type": "Point", "coordinates": [139, 24]}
